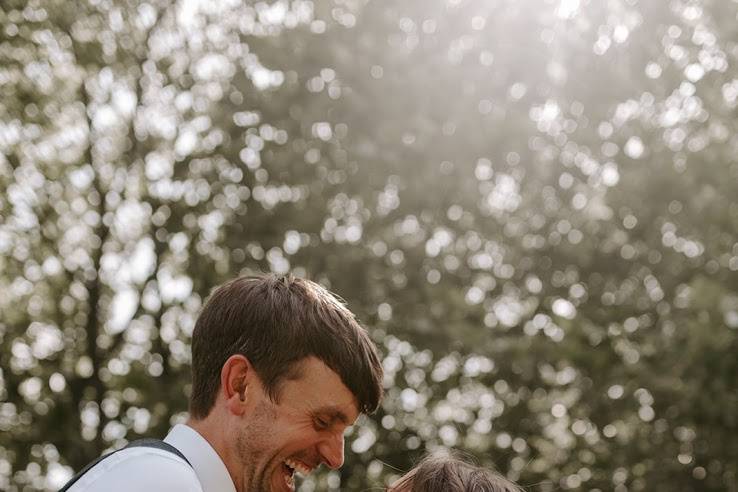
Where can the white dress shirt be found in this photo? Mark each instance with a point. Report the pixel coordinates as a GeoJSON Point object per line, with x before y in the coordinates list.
{"type": "Point", "coordinates": [150, 469]}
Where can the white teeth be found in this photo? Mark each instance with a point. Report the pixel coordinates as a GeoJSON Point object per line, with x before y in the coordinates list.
{"type": "Point", "coordinates": [289, 480]}
{"type": "Point", "coordinates": [297, 466]}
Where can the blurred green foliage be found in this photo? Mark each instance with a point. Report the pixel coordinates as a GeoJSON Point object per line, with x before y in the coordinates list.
{"type": "Point", "coordinates": [531, 204]}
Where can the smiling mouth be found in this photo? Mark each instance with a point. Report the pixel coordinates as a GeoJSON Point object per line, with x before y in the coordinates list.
{"type": "Point", "coordinates": [298, 466]}
{"type": "Point", "coordinates": [289, 476]}
{"type": "Point", "coordinates": [289, 467]}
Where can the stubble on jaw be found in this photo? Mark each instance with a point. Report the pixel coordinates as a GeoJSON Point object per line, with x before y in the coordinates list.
{"type": "Point", "coordinates": [251, 448]}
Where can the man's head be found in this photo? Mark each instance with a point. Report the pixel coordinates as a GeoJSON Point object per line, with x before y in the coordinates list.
{"type": "Point", "coordinates": [280, 369]}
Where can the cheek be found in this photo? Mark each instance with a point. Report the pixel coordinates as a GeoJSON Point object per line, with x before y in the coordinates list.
{"type": "Point", "coordinates": [291, 434]}
{"type": "Point", "coordinates": [301, 437]}
{"type": "Point", "coordinates": [293, 430]}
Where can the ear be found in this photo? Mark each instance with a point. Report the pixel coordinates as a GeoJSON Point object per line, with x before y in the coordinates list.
{"type": "Point", "coordinates": [237, 383]}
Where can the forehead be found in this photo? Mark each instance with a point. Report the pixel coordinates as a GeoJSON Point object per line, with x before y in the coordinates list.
{"type": "Point", "coordinates": [317, 388]}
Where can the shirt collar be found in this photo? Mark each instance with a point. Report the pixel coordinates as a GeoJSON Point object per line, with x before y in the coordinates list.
{"type": "Point", "coordinates": [209, 468]}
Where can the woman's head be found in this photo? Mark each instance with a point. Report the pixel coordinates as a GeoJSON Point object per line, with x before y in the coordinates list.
{"type": "Point", "coordinates": [442, 472]}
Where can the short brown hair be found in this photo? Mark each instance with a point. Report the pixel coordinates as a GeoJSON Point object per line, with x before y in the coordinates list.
{"type": "Point", "coordinates": [275, 322]}
{"type": "Point", "coordinates": [447, 472]}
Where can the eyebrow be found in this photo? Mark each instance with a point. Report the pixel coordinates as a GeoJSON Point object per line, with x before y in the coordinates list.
{"type": "Point", "coordinates": [335, 414]}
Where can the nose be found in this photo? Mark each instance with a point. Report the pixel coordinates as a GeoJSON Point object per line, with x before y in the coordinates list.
{"type": "Point", "coordinates": [332, 451]}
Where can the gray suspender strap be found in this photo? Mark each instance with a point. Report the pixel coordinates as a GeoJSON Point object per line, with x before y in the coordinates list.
{"type": "Point", "coordinates": [141, 443]}
{"type": "Point", "coordinates": [158, 444]}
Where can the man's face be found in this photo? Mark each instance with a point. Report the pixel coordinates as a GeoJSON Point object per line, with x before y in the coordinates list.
{"type": "Point", "coordinates": [304, 429]}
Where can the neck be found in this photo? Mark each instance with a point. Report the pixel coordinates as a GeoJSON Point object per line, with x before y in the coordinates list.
{"type": "Point", "coordinates": [223, 443]}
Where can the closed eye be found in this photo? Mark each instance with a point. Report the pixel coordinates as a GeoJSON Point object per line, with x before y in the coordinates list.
{"type": "Point", "coordinates": [321, 423]}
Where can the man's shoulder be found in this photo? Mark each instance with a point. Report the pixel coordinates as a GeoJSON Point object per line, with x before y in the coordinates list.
{"type": "Point", "coordinates": [142, 469]}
